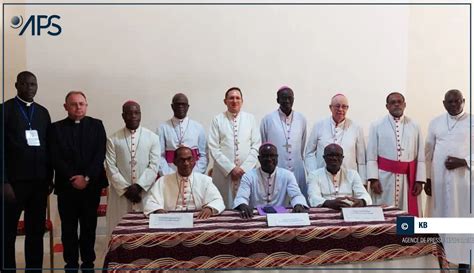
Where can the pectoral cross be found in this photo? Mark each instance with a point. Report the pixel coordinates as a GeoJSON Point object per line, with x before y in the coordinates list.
{"type": "Point", "coordinates": [287, 146]}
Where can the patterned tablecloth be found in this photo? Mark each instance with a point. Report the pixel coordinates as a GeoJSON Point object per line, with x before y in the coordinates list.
{"type": "Point", "coordinates": [226, 241]}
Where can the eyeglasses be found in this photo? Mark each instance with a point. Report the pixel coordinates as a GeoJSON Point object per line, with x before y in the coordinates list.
{"type": "Point", "coordinates": [342, 106]}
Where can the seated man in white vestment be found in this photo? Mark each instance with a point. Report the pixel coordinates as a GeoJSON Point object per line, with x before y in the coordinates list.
{"type": "Point", "coordinates": [334, 186]}
{"type": "Point", "coordinates": [268, 185]}
{"type": "Point", "coordinates": [184, 190]}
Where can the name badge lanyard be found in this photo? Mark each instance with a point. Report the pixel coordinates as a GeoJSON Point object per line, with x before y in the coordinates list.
{"type": "Point", "coordinates": [30, 119]}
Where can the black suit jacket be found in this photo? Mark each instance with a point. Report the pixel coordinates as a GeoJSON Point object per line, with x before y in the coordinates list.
{"type": "Point", "coordinates": [85, 158]}
{"type": "Point", "coordinates": [23, 162]}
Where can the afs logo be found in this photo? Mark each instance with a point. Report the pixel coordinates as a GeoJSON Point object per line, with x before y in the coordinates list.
{"type": "Point", "coordinates": [36, 23]}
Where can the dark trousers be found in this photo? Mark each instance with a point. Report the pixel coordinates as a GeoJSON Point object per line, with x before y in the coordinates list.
{"type": "Point", "coordinates": [78, 207]}
{"type": "Point", "coordinates": [31, 197]}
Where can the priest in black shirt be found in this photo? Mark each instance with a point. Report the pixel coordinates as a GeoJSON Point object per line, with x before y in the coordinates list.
{"type": "Point", "coordinates": [27, 174]}
{"type": "Point", "coordinates": [77, 146]}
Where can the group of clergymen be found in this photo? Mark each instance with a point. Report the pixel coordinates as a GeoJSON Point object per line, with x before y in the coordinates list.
{"type": "Point", "coordinates": [333, 169]}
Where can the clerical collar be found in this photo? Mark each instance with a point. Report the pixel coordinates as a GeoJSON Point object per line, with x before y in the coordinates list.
{"type": "Point", "coordinates": [133, 131]}
{"type": "Point", "coordinates": [177, 120]}
{"type": "Point", "coordinates": [76, 121]}
{"type": "Point", "coordinates": [28, 103]}
{"type": "Point", "coordinates": [340, 124]}
{"type": "Point", "coordinates": [333, 175]}
{"type": "Point", "coordinates": [456, 117]}
{"type": "Point", "coordinates": [397, 119]}
{"type": "Point", "coordinates": [290, 116]}
{"type": "Point", "coordinates": [265, 174]}
{"type": "Point", "coordinates": [233, 115]}
{"type": "Point", "coordinates": [188, 178]}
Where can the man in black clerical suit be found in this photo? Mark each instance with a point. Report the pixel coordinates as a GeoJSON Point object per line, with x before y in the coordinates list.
{"type": "Point", "coordinates": [77, 146]}
{"type": "Point", "coordinates": [27, 174]}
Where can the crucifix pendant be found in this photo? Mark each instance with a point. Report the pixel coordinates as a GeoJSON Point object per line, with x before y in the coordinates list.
{"type": "Point", "coordinates": [287, 146]}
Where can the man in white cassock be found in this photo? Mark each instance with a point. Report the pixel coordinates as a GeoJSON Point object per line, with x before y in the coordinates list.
{"type": "Point", "coordinates": [184, 190]}
{"type": "Point", "coordinates": [395, 159]}
{"type": "Point", "coordinates": [268, 185]}
{"type": "Point", "coordinates": [448, 162]}
{"type": "Point", "coordinates": [334, 186]}
{"type": "Point", "coordinates": [342, 131]}
{"type": "Point", "coordinates": [131, 164]}
{"type": "Point", "coordinates": [234, 139]}
{"type": "Point", "coordinates": [287, 130]}
{"type": "Point", "coordinates": [179, 131]}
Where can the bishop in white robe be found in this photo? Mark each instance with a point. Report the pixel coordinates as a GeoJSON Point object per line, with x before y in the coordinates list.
{"type": "Point", "coordinates": [184, 190]}
{"type": "Point", "coordinates": [286, 129]}
{"type": "Point", "coordinates": [448, 162]}
{"type": "Point", "coordinates": [396, 159]}
{"type": "Point", "coordinates": [182, 132]}
{"type": "Point", "coordinates": [174, 192]}
{"type": "Point", "coordinates": [258, 188]}
{"type": "Point", "coordinates": [132, 157]}
{"type": "Point", "coordinates": [179, 131]}
{"type": "Point", "coordinates": [339, 130]}
{"type": "Point", "coordinates": [234, 139]}
{"type": "Point", "coordinates": [268, 185]}
{"type": "Point", "coordinates": [323, 185]}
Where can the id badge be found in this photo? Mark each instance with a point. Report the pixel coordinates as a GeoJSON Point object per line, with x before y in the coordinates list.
{"type": "Point", "coordinates": [32, 138]}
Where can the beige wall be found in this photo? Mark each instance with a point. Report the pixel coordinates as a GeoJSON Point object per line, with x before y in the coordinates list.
{"type": "Point", "coordinates": [438, 58]}
{"type": "Point", "coordinates": [15, 51]}
{"type": "Point", "coordinates": [147, 53]}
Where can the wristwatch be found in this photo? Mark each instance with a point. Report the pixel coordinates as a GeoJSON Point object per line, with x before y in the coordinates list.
{"type": "Point", "coordinates": [86, 178]}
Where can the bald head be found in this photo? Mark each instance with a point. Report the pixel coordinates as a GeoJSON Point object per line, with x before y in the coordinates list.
{"type": "Point", "coordinates": [129, 104]}
{"type": "Point", "coordinates": [179, 97]}
{"type": "Point", "coordinates": [333, 148]}
{"type": "Point", "coordinates": [339, 98]}
{"type": "Point", "coordinates": [453, 92]}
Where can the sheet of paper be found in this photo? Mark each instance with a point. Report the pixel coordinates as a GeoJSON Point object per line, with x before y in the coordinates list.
{"type": "Point", "coordinates": [364, 214]}
{"type": "Point", "coordinates": [171, 220]}
{"type": "Point", "coordinates": [287, 219]}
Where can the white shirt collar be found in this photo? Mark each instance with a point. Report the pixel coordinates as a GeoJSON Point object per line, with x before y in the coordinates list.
{"type": "Point", "coordinates": [400, 119]}
{"type": "Point", "coordinates": [133, 131]}
{"type": "Point", "coordinates": [28, 103]}
{"type": "Point", "coordinates": [337, 176]}
{"type": "Point", "coordinates": [177, 120]}
{"type": "Point", "coordinates": [265, 174]}
{"type": "Point", "coordinates": [179, 177]}
{"type": "Point", "coordinates": [456, 117]}
{"type": "Point", "coordinates": [232, 115]}
{"type": "Point", "coordinates": [333, 123]}
{"type": "Point", "coordinates": [284, 116]}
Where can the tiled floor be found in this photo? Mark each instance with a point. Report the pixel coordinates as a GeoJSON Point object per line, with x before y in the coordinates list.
{"type": "Point", "coordinates": [100, 243]}
{"type": "Point", "coordinates": [100, 249]}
